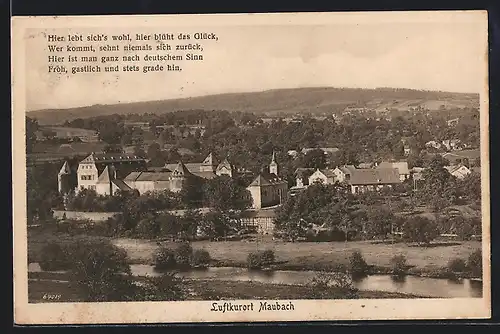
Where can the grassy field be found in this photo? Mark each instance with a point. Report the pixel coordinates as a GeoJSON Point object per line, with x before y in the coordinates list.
{"type": "Point", "coordinates": [312, 255]}
{"type": "Point", "coordinates": [299, 255]}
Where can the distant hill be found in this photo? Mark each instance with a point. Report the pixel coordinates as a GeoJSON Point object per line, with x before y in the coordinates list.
{"type": "Point", "coordinates": [315, 100]}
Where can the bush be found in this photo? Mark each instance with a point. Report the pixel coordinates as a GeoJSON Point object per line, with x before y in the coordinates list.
{"type": "Point", "coordinates": [164, 258]}
{"type": "Point", "coordinates": [357, 264]}
{"type": "Point", "coordinates": [200, 257]}
{"type": "Point", "coordinates": [260, 259]}
{"type": "Point", "coordinates": [167, 287]}
{"type": "Point", "coordinates": [326, 285]}
{"type": "Point", "coordinates": [457, 265]}
{"type": "Point", "coordinates": [475, 263]}
{"type": "Point", "coordinates": [54, 257]}
{"type": "Point", "coordinates": [268, 256]}
{"type": "Point", "coordinates": [420, 229]}
{"type": "Point", "coordinates": [398, 265]}
{"type": "Point", "coordinates": [183, 254]}
{"type": "Point", "coordinates": [101, 271]}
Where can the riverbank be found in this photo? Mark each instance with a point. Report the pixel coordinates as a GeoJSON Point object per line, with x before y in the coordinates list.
{"type": "Point", "coordinates": [299, 256]}
{"type": "Point", "coordinates": [45, 284]}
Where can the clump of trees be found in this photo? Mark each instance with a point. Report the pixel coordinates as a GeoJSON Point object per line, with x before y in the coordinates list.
{"type": "Point", "coordinates": [357, 264]}
{"type": "Point", "coordinates": [475, 263]}
{"type": "Point", "coordinates": [181, 257]}
{"type": "Point", "coordinates": [399, 265]}
{"type": "Point", "coordinates": [101, 272]}
{"type": "Point", "coordinates": [332, 285]}
{"type": "Point", "coordinates": [54, 256]}
{"type": "Point", "coordinates": [260, 259]}
{"type": "Point", "coordinates": [420, 229]}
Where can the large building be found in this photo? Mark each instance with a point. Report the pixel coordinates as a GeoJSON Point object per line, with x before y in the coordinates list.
{"type": "Point", "coordinates": [208, 168]}
{"type": "Point", "coordinates": [102, 172]}
{"type": "Point", "coordinates": [268, 189]}
{"type": "Point", "coordinates": [361, 180]}
{"type": "Point", "coordinates": [108, 173]}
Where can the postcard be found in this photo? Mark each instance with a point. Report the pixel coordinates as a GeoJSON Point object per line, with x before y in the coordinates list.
{"type": "Point", "coordinates": [265, 167]}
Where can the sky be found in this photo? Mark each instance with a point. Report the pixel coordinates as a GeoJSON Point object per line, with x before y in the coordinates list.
{"type": "Point", "coordinates": [446, 55]}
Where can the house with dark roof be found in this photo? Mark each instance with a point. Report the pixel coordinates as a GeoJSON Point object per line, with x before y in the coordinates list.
{"type": "Point", "coordinates": [401, 166]}
{"type": "Point", "coordinates": [466, 157]}
{"type": "Point", "coordinates": [362, 180]}
{"type": "Point", "coordinates": [268, 189]}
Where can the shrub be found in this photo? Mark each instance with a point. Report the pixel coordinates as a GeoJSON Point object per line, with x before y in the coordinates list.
{"type": "Point", "coordinates": [357, 264]}
{"type": "Point", "coordinates": [268, 256]}
{"type": "Point", "coordinates": [398, 265]}
{"type": "Point", "coordinates": [54, 257]}
{"type": "Point", "coordinates": [183, 254]}
{"type": "Point", "coordinates": [420, 229]}
{"type": "Point", "coordinates": [164, 258]}
{"type": "Point", "coordinates": [200, 257]}
{"type": "Point", "coordinates": [167, 287]}
{"type": "Point", "coordinates": [457, 265]}
{"type": "Point", "coordinates": [260, 259]}
{"type": "Point", "coordinates": [475, 263]}
{"type": "Point", "coordinates": [332, 285]}
{"type": "Point", "coordinates": [101, 271]}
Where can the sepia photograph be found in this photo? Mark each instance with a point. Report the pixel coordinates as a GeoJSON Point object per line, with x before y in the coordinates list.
{"type": "Point", "coordinates": [264, 167]}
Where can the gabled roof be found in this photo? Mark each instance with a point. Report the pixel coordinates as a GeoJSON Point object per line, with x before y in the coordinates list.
{"type": "Point", "coordinates": [304, 172]}
{"type": "Point", "coordinates": [328, 172]}
{"type": "Point", "coordinates": [112, 158]}
{"type": "Point", "coordinates": [401, 166]}
{"type": "Point", "coordinates": [181, 170]}
{"type": "Point", "coordinates": [469, 154]}
{"type": "Point", "coordinates": [224, 163]}
{"type": "Point", "coordinates": [209, 160]}
{"type": "Point", "coordinates": [205, 175]}
{"type": "Point", "coordinates": [147, 176]}
{"type": "Point", "coordinates": [453, 169]}
{"type": "Point", "coordinates": [65, 168]}
{"type": "Point", "coordinates": [107, 175]}
{"type": "Point", "coordinates": [121, 185]}
{"type": "Point", "coordinates": [374, 176]}
{"type": "Point", "coordinates": [347, 169]}
{"type": "Point", "coordinates": [192, 167]}
{"type": "Point", "coordinates": [266, 179]}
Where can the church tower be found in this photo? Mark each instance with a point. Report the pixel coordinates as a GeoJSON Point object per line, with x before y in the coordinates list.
{"type": "Point", "coordinates": [64, 179]}
{"type": "Point", "coordinates": [273, 166]}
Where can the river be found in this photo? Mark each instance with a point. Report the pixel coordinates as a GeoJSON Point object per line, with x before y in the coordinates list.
{"type": "Point", "coordinates": [422, 286]}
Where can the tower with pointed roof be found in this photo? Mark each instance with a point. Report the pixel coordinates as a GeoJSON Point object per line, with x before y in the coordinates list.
{"type": "Point", "coordinates": [273, 166]}
{"type": "Point", "coordinates": [64, 179]}
{"type": "Point", "coordinates": [178, 177]}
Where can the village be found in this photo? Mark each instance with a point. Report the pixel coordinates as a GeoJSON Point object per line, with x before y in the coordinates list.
{"type": "Point", "coordinates": [397, 193]}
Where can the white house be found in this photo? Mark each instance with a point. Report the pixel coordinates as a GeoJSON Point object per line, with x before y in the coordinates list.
{"type": "Point", "coordinates": [324, 176]}
{"type": "Point", "coordinates": [459, 171]}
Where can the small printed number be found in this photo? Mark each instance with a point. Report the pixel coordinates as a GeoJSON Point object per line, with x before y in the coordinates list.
{"type": "Point", "coordinates": [48, 296]}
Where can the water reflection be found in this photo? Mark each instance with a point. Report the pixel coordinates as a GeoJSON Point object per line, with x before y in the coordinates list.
{"type": "Point", "coordinates": [422, 286]}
